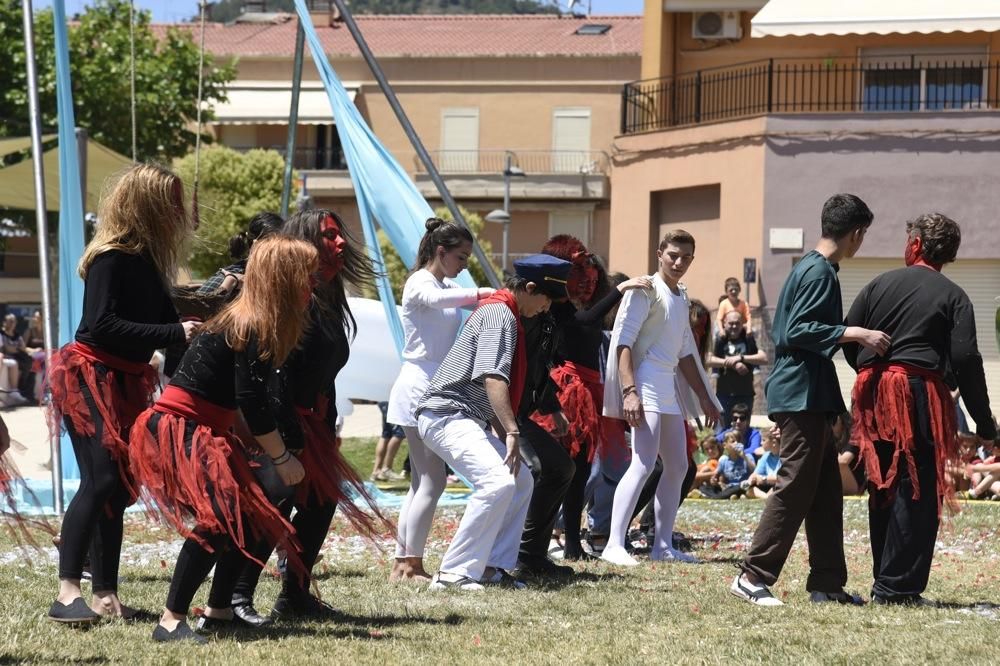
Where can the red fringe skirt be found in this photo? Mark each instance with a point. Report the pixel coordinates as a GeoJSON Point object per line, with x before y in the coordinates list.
{"type": "Point", "coordinates": [200, 479]}
{"type": "Point", "coordinates": [118, 401]}
{"type": "Point", "coordinates": [329, 476]}
{"type": "Point", "coordinates": [884, 412]}
{"type": "Point", "coordinates": [581, 396]}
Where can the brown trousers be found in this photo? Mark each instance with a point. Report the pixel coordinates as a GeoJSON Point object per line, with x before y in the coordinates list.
{"type": "Point", "coordinates": [809, 490]}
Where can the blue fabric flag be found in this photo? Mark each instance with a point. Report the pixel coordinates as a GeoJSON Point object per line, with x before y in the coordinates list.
{"type": "Point", "coordinates": [70, 211]}
{"type": "Point", "coordinates": [383, 189]}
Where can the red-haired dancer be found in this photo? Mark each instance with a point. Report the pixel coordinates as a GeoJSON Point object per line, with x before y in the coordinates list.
{"type": "Point", "coordinates": [581, 389]}
{"type": "Point", "coordinates": [102, 381]}
{"type": "Point", "coordinates": [184, 451]}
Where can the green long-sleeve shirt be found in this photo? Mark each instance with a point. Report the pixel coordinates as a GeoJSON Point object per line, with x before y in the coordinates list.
{"type": "Point", "coordinates": [807, 324]}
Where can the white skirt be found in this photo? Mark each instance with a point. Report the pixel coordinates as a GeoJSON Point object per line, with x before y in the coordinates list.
{"type": "Point", "coordinates": [409, 388]}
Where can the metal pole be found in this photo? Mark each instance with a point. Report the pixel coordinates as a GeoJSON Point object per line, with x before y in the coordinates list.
{"type": "Point", "coordinates": [42, 232]}
{"type": "Point", "coordinates": [425, 158]}
{"type": "Point", "coordinates": [81, 149]}
{"type": "Point", "coordinates": [293, 118]}
{"type": "Point", "coordinates": [506, 205]}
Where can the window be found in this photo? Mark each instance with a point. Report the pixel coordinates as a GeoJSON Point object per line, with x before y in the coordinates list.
{"type": "Point", "coordinates": [571, 140]}
{"type": "Point", "coordinates": [918, 79]}
{"type": "Point", "coordinates": [460, 140]}
{"type": "Point", "coordinates": [592, 29]}
{"type": "Point", "coordinates": [575, 223]}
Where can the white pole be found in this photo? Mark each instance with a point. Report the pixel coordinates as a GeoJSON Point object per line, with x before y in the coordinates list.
{"type": "Point", "coordinates": [42, 233]}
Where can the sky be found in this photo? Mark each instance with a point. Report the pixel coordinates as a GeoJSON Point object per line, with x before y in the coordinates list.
{"type": "Point", "coordinates": [178, 10]}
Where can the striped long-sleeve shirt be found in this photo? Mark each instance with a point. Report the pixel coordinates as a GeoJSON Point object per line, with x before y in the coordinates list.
{"type": "Point", "coordinates": [485, 346]}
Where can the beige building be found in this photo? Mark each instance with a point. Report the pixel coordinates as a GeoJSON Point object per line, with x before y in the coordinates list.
{"type": "Point", "coordinates": [751, 113]}
{"type": "Point", "coordinates": [545, 90]}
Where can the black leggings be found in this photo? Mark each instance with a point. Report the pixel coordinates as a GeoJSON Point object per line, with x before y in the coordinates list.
{"type": "Point", "coordinates": [93, 520]}
{"type": "Point", "coordinates": [312, 523]}
{"type": "Point", "coordinates": [574, 500]}
{"type": "Point", "coordinates": [193, 565]}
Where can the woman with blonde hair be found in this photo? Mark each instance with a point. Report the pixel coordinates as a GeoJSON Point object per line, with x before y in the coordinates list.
{"type": "Point", "coordinates": [185, 454]}
{"type": "Point", "coordinates": [102, 380]}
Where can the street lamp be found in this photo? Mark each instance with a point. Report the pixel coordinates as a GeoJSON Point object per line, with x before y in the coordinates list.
{"type": "Point", "coordinates": [503, 216]}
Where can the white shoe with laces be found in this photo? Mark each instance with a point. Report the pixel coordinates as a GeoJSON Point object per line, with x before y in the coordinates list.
{"type": "Point", "coordinates": [756, 594]}
{"type": "Point", "coordinates": [618, 555]}
{"type": "Point", "coordinates": [674, 555]}
{"type": "Point", "coordinates": [446, 581]}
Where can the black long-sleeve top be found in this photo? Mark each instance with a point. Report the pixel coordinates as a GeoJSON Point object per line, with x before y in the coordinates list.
{"type": "Point", "coordinates": [127, 310]}
{"type": "Point", "coordinates": [932, 326]}
{"type": "Point", "coordinates": [540, 392]}
{"type": "Point", "coordinates": [211, 370]}
{"type": "Point", "coordinates": [581, 332]}
{"type": "Point", "coordinates": [309, 372]}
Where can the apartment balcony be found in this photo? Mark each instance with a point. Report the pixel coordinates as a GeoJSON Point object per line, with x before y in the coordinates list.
{"type": "Point", "coordinates": [548, 174]}
{"type": "Point", "coordinates": [912, 83]}
{"type": "Point", "coordinates": [324, 168]}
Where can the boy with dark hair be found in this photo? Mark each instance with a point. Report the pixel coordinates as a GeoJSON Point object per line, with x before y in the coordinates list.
{"type": "Point", "coordinates": [803, 395]}
{"type": "Point", "coordinates": [904, 418]}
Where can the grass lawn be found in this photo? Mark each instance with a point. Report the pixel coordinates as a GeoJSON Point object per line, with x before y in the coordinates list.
{"type": "Point", "coordinates": [654, 613]}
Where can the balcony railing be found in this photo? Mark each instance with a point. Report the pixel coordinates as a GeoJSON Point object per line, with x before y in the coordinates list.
{"type": "Point", "coordinates": [886, 83]}
{"type": "Point", "coordinates": [307, 158]}
{"type": "Point", "coordinates": [532, 162]}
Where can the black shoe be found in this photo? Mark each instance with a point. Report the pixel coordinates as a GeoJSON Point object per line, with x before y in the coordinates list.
{"type": "Point", "coordinates": [181, 633]}
{"type": "Point", "coordinates": [213, 626]}
{"type": "Point", "coordinates": [541, 567]}
{"type": "Point", "coordinates": [501, 578]}
{"type": "Point", "coordinates": [574, 552]}
{"type": "Point", "coordinates": [75, 612]}
{"type": "Point", "coordinates": [244, 613]}
{"type": "Point", "coordinates": [681, 542]}
{"type": "Point", "coordinates": [904, 600]}
{"type": "Point", "coordinates": [304, 607]}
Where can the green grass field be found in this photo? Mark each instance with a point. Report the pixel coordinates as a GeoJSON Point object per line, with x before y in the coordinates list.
{"type": "Point", "coordinates": [655, 613]}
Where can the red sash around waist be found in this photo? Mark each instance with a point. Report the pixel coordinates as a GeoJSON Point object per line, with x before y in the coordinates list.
{"type": "Point", "coordinates": [176, 400]}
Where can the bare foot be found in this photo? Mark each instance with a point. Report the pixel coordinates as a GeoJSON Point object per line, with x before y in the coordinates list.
{"type": "Point", "coordinates": [409, 569]}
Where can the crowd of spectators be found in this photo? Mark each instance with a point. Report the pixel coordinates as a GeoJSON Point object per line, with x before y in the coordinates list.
{"type": "Point", "coordinates": [22, 361]}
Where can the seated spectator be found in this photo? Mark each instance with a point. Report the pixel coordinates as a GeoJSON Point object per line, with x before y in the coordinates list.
{"type": "Point", "coordinates": [745, 435]}
{"type": "Point", "coordinates": [958, 480]}
{"type": "Point", "coordinates": [19, 371]}
{"type": "Point", "coordinates": [853, 477]}
{"type": "Point", "coordinates": [734, 468]}
{"type": "Point", "coordinates": [984, 478]}
{"type": "Point", "coordinates": [386, 449]}
{"type": "Point", "coordinates": [711, 451]}
{"type": "Point", "coordinates": [734, 358]}
{"type": "Point", "coordinates": [765, 475]}
{"type": "Point", "coordinates": [730, 302]}
{"type": "Point", "coordinates": [34, 340]}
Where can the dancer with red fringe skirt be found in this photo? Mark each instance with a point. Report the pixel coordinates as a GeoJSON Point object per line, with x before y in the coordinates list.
{"type": "Point", "coordinates": [904, 416]}
{"type": "Point", "coordinates": [304, 390]}
{"type": "Point", "coordinates": [102, 381]}
{"type": "Point", "coordinates": [578, 375]}
{"type": "Point", "coordinates": [184, 453]}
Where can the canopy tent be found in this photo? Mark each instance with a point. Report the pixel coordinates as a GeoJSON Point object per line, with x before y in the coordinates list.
{"type": "Point", "coordinates": [783, 18]}
{"type": "Point", "coordinates": [17, 185]}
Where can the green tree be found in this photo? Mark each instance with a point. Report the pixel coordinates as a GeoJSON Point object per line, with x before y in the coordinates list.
{"type": "Point", "coordinates": [233, 188]}
{"type": "Point", "coordinates": [398, 272]}
{"type": "Point", "coordinates": [166, 79]}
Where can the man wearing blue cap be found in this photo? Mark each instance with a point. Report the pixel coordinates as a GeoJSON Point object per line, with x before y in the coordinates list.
{"type": "Point", "coordinates": [476, 386]}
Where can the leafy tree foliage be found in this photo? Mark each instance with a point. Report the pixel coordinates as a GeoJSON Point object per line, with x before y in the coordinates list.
{"type": "Point", "coordinates": [166, 79]}
{"type": "Point", "coordinates": [233, 188]}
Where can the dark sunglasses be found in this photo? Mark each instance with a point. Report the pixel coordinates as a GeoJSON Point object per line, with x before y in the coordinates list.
{"type": "Point", "coordinates": [740, 417]}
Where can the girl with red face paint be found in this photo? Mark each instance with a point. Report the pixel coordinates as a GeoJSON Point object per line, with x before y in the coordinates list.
{"type": "Point", "coordinates": [581, 390]}
{"type": "Point", "coordinates": [432, 316]}
{"type": "Point", "coordinates": [303, 388]}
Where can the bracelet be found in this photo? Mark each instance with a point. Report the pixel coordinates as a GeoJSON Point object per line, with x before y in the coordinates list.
{"type": "Point", "coordinates": [513, 432]}
{"type": "Point", "coordinates": [283, 458]}
{"type": "Point", "coordinates": [628, 389]}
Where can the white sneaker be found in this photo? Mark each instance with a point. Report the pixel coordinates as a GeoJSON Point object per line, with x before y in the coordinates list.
{"type": "Point", "coordinates": [555, 549]}
{"type": "Point", "coordinates": [446, 581]}
{"type": "Point", "coordinates": [755, 594]}
{"type": "Point", "coordinates": [674, 555]}
{"type": "Point", "coordinates": [618, 555]}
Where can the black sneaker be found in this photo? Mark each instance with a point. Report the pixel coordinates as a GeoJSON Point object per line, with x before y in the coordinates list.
{"type": "Point", "coordinates": [541, 567]}
{"type": "Point", "coordinates": [904, 600]}
{"type": "Point", "coordinates": [574, 552]}
{"type": "Point", "coordinates": [840, 597]}
{"type": "Point", "coordinates": [501, 578]}
{"type": "Point", "coordinates": [681, 542]}
{"type": "Point", "coordinates": [180, 633]}
{"type": "Point", "coordinates": [213, 626]}
{"type": "Point", "coordinates": [304, 607]}
{"type": "Point", "coordinates": [75, 612]}
{"type": "Point", "coordinates": [245, 614]}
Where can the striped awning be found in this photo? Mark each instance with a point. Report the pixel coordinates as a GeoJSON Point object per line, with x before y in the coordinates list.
{"type": "Point", "coordinates": [783, 18]}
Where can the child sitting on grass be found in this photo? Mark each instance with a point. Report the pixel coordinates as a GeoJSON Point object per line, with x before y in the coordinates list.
{"type": "Point", "coordinates": [710, 451]}
{"type": "Point", "coordinates": [734, 468]}
{"type": "Point", "coordinates": [765, 475]}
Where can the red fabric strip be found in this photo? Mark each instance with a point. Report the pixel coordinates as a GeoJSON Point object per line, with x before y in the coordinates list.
{"type": "Point", "coordinates": [581, 396]}
{"type": "Point", "coordinates": [519, 369]}
{"type": "Point", "coordinates": [180, 402]}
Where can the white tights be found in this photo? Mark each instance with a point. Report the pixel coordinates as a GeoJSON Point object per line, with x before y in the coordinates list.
{"type": "Point", "coordinates": [427, 482]}
{"type": "Point", "coordinates": [663, 435]}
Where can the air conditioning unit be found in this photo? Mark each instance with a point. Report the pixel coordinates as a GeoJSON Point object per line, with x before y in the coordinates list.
{"type": "Point", "coordinates": [716, 25]}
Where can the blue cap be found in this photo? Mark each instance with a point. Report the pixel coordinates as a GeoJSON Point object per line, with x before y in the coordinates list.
{"type": "Point", "coordinates": [548, 272]}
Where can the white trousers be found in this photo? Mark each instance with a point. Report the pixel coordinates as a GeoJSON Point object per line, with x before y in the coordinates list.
{"type": "Point", "coordinates": [490, 531]}
{"type": "Point", "coordinates": [663, 435]}
{"type": "Point", "coordinates": [428, 478]}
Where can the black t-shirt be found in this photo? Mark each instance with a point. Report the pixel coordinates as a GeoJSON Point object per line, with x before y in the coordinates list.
{"type": "Point", "coordinates": [211, 370]}
{"type": "Point", "coordinates": [127, 311]}
{"type": "Point", "coordinates": [932, 325]}
{"type": "Point", "coordinates": [729, 381]}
